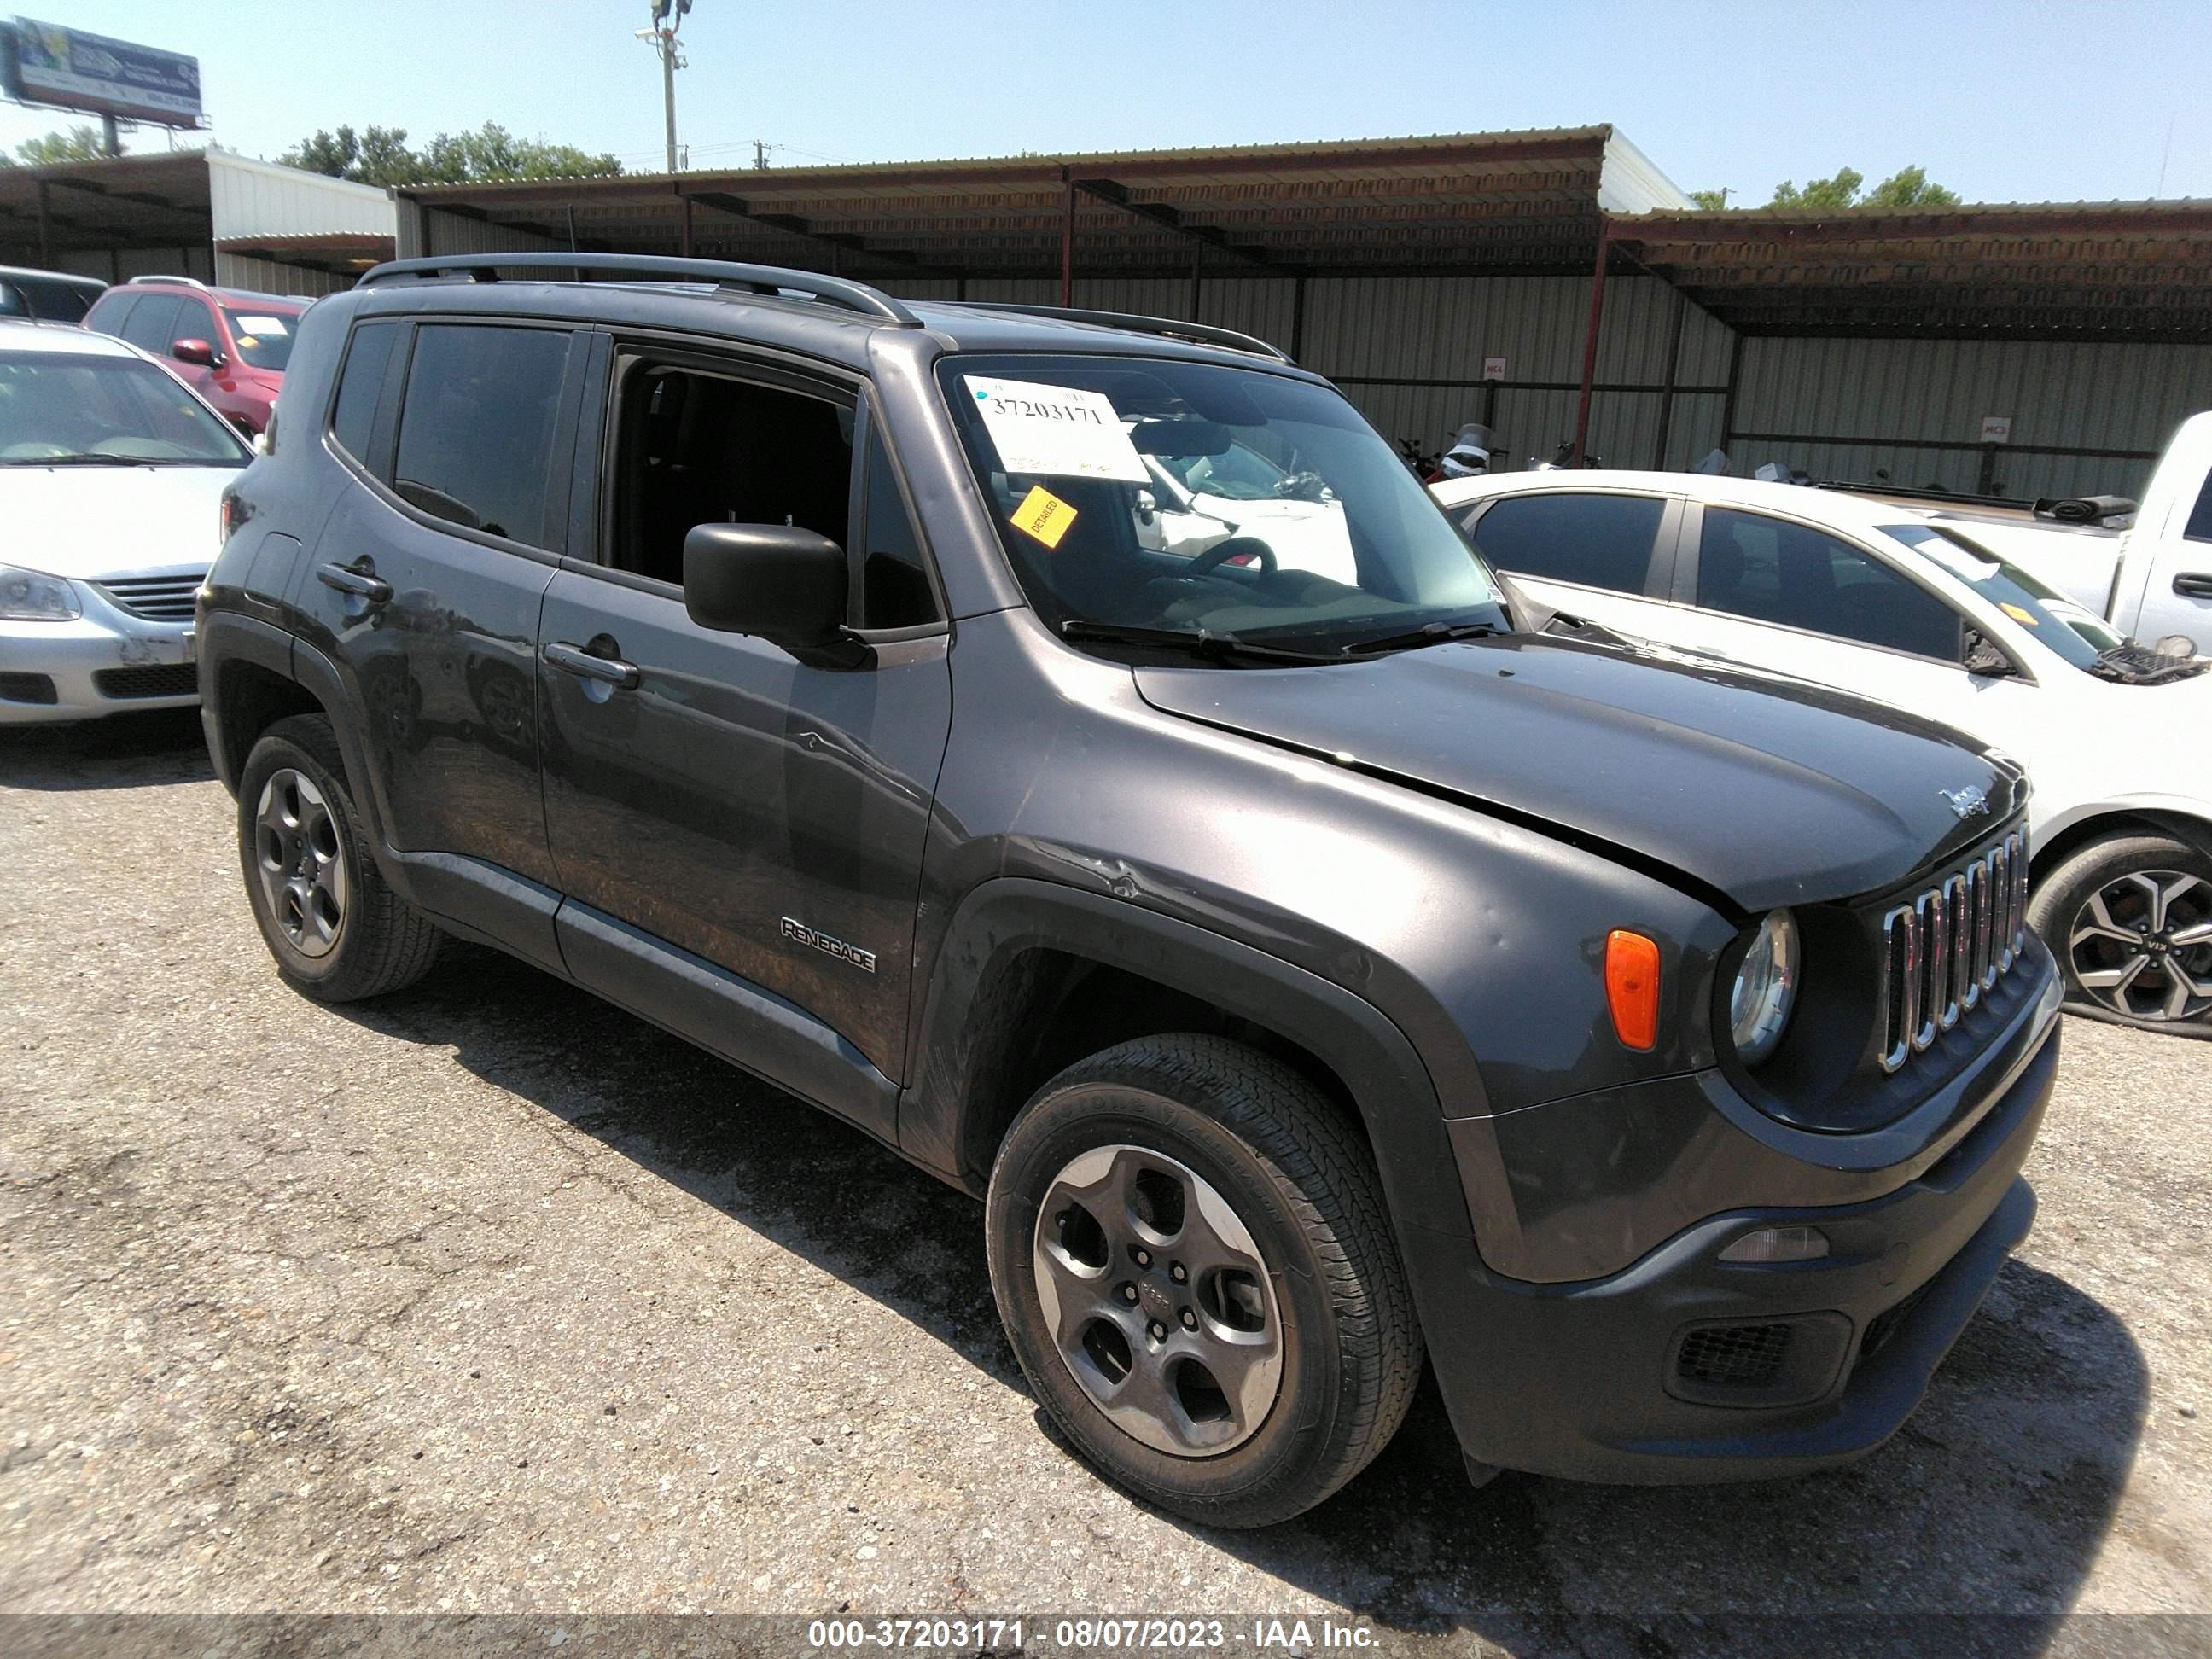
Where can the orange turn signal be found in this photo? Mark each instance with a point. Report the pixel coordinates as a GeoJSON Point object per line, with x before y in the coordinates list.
{"type": "Point", "coordinates": [1631, 987]}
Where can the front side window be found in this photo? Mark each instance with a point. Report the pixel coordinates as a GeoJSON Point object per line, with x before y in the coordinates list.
{"type": "Point", "coordinates": [894, 590]}
{"type": "Point", "coordinates": [694, 447]}
{"type": "Point", "coordinates": [1331, 546]}
{"type": "Point", "coordinates": [2199, 527]}
{"type": "Point", "coordinates": [1597, 540]}
{"type": "Point", "coordinates": [2076, 634]}
{"type": "Point", "coordinates": [264, 338]}
{"type": "Point", "coordinates": [475, 431]}
{"type": "Point", "coordinates": [1775, 571]}
{"type": "Point", "coordinates": [67, 409]}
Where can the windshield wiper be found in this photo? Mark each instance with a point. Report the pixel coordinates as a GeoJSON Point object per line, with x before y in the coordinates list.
{"type": "Point", "coordinates": [1199, 644]}
{"type": "Point", "coordinates": [87, 459]}
{"type": "Point", "coordinates": [1427, 634]}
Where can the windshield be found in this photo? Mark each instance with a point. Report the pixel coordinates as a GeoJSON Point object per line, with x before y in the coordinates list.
{"type": "Point", "coordinates": [67, 408]}
{"type": "Point", "coordinates": [2079, 636]}
{"type": "Point", "coordinates": [264, 338]}
{"type": "Point", "coordinates": [1349, 551]}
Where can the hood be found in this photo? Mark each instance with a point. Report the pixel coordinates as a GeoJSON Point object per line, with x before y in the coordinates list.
{"type": "Point", "coordinates": [1768, 790]}
{"type": "Point", "coordinates": [91, 521]}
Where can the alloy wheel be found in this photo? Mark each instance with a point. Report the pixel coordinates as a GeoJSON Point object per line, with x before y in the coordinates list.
{"type": "Point", "coordinates": [2141, 945]}
{"type": "Point", "coordinates": [1159, 1301]}
{"type": "Point", "coordinates": [301, 861]}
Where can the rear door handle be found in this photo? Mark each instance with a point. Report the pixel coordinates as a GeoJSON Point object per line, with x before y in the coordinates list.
{"type": "Point", "coordinates": [2193, 585]}
{"type": "Point", "coordinates": [574, 660]}
{"type": "Point", "coordinates": [359, 583]}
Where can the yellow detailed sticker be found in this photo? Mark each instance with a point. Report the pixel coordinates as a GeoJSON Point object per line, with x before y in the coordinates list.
{"type": "Point", "coordinates": [2025, 618]}
{"type": "Point", "coordinates": [1043, 516]}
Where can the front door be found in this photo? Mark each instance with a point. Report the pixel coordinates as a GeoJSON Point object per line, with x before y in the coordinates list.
{"type": "Point", "coordinates": [726, 821]}
{"type": "Point", "coordinates": [428, 577]}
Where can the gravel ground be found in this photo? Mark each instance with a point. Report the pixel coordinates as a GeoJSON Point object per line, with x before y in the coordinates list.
{"type": "Point", "coordinates": [489, 1299]}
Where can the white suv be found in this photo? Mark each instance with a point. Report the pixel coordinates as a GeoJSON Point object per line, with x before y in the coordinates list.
{"type": "Point", "coordinates": [1904, 605]}
{"type": "Point", "coordinates": [111, 471]}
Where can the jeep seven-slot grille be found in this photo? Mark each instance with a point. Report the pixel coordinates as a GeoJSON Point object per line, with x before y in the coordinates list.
{"type": "Point", "coordinates": [1945, 948]}
{"type": "Point", "coordinates": [157, 599]}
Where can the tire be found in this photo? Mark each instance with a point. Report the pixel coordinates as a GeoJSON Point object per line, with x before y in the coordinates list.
{"type": "Point", "coordinates": [1248, 1144]}
{"type": "Point", "coordinates": [337, 932]}
{"type": "Point", "coordinates": [2130, 918]}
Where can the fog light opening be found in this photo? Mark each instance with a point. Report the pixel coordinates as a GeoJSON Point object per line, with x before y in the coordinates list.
{"type": "Point", "coordinates": [1771, 1244]}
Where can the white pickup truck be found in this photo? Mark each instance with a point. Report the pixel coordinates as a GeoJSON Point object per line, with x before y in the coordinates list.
{"type": "Point", "coordinates": [2151, 579]}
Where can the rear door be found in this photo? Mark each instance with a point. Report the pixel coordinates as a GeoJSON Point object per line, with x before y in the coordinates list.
{"type": "Point", "coordinates": [740, 833]}
{"type": "Point", "coordinates": [1790, 597]}
{"type": "Point", "coordinates": [426, 584]}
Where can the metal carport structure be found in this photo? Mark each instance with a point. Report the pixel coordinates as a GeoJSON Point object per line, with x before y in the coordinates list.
{"type": "Point", "coordinates": [1554, 283]}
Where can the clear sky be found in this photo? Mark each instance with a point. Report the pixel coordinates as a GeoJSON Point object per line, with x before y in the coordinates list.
{"type": "Point", "coordinates": [2099, 100]}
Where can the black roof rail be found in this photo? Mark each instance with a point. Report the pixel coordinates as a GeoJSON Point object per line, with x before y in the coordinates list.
{"type": "Point", "coordinates": [1202, 333]}
{"type": "Point", "coordinates": [760, 279]}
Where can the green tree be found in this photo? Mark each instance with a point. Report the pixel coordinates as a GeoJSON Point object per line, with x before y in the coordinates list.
{"type": "Point", "coordinates": [1906, 187]}
{"type": "Point", "coordinates": [1909, 187]}
{"type": "Point", "coordinates": [77, 144]}
{"type": "Point", "coordinates": [1840, 192]}
{"type": "Point", "coordinates": [380, 155]}
{"type": "Point", "coordinates": [1709, 201]}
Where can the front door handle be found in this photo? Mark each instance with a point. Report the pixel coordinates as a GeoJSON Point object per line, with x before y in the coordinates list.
{"type": "Point", "coordinates": [359, 583]}
{"type": "Point", "coordinates": [607, 671]}
{"type": "Point", "coordinates": [2193, 585]}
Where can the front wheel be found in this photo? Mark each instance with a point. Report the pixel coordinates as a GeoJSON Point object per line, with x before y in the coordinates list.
{"type": "Point", "coordinates": [1190, 1249]}
{"type": "Point", "coordinates": [2130, 919]}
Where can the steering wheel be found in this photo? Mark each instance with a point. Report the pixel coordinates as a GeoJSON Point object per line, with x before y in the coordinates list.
{"type": "Point", "coordinates": [1235, 547]}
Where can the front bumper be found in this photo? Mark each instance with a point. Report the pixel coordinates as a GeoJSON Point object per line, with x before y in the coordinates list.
{"type": "Point", "coordinates": [106, 662]}
{"type": "Point", "coordinates": [1684, 1368]}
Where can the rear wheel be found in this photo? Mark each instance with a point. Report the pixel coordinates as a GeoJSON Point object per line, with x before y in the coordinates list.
{"type": "Point", "coordinates": [337, 932]}
{"type": "Point", "coordinates": [2130, 919]}
{"type": "Point", "coordinates": [1190, 1249]}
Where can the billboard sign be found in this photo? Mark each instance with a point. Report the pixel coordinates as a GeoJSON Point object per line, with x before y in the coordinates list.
{"type": "Point", "coordinates": [45, 63]}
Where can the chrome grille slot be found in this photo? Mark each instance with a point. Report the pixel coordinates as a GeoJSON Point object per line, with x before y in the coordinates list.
{"type": "Point", "coordinates": [155, 598]}
{"type": "Point", "coordinates": [1950, 944]}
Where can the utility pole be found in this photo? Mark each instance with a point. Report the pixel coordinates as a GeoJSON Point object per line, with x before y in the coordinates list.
{"type": "Point", "coordinates": [760, 156]}
{"type": "Point", "coordinates": [667, 17]}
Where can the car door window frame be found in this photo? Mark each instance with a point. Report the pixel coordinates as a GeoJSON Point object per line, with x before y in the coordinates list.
{"type": "Point", "coordinates": [1691, 544]}
{"type": "Point", "coordinates": [375, 469]}
{"type": "Point", "coordinates": [1659, 569]}
{"type": "Point", "coordinates": [620, 355]}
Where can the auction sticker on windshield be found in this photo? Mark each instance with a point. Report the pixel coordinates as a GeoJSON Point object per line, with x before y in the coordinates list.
{"type": "Point", "coordinates": [1060, 431]}
{"type": "Point", "coordinates": [263, 324]}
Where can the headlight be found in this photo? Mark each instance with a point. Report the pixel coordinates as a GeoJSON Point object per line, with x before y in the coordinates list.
{"type": "Point", "coordinates": [32, 596]}
{"type": "Point", "coordinates": [1766, 987]}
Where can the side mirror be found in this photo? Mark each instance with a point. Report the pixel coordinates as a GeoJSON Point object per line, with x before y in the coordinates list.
{"type": "Point", "coordinates": [1986, 661]}
{"type": "Point", "coordinates": [193, 351]}
{"type": "Point", "coordinates": [775, 583]}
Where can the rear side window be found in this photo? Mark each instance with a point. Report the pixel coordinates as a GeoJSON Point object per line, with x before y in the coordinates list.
{"type": "Point", "coordinates": [359, 383]}
{"type": "Point", "coordinates": [1599, 541]}
{"type": "Point", "coordinates": [475, 431]}
{"type": "Point", "coordinates": [110, 311]}
{"type": "Point", "coordinates": [1772, 570]}
{"type": "Point", "coordinates": [152, 324]}
{"type": "Point", "coordinates": [894, 581]}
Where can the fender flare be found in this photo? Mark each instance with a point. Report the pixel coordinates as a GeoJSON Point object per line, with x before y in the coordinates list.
{"type": "Point", "coordinates": [1000, 918]}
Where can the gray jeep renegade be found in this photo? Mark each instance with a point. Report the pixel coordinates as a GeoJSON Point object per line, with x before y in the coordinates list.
{"type": "Point", "coordinates": [1074, 748]}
